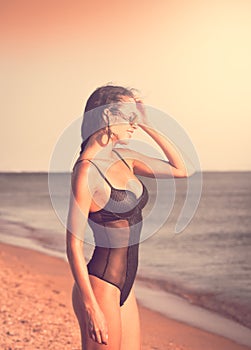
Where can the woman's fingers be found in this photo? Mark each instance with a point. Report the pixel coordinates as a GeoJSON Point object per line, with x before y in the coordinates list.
{"type": "Point", "coordinates": [139, 105]}
{"type": "Point", "coordinates": [104, 336]}
{"type": "Point", "coordinates": [97, 326]}
{"type": "Point", "coordinates": [92, 335]}
{"type": "Point", "coordinates": [99, 336]}
{"type": "Point", "coordinates": [141, 108]}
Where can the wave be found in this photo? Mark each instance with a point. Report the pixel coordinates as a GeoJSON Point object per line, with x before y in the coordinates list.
{"type": "Point", "coordinates": [208, 300]}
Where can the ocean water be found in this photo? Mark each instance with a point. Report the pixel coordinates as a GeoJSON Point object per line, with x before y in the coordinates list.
{"type": "Point", "coordinates": [208, 264]}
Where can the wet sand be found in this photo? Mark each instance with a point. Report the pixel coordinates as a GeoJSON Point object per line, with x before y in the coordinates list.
{"type": "Point", "coordinates": [36, 311]}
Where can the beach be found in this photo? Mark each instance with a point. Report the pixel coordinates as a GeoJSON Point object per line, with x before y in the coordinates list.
{"type": "Point", "coordinates": [36, 310]}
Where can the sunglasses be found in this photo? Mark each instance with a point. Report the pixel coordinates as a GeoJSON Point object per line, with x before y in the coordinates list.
{"type": "Point", "coordinates": [130, 118]}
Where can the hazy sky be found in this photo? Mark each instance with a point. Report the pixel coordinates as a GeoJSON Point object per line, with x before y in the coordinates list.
{"type": "Point", "coordinates": [189, 58]}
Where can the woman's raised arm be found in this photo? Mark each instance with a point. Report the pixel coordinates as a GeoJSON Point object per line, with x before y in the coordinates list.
{"type": "Point", "coordinates": [173, 166]}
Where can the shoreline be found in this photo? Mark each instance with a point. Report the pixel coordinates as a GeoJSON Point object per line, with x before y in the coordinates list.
{"type": "Point", "coordinates": [168, 304]}
{"type": "Point", "coordinates": [36, 309]}
{"type": "Point", "coordinates": [179, 309]}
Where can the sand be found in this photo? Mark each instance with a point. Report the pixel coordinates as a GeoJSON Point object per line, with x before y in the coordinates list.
{"type": "Point", "coordinates": [36, 310]}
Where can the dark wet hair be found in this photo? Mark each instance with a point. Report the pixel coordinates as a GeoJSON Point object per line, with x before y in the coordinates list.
{"type": "Point", "coordinates": [101, 97]}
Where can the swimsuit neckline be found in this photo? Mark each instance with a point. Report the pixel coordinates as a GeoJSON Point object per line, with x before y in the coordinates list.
{"type": "Point", "coordinates": [123, 190]}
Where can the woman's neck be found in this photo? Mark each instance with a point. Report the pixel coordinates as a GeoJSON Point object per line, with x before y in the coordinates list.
{"type": "Point", "coordinates": [95, 149]}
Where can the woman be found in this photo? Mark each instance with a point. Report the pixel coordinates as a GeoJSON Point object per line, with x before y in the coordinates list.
{"type": "Point", "coordinates": [107, 194]}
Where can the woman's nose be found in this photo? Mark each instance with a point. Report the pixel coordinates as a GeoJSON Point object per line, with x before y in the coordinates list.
{"type": "Point", "coordinates": [134, 125]}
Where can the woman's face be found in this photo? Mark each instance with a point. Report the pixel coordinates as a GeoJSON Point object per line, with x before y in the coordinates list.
{"type": "Point", "coordinates": [124, 124]}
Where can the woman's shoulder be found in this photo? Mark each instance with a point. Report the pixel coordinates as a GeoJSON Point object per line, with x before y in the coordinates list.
{"type": "Point", "coordinates": [83, 173]}
{"type": "Point", "coordinates": [129, 154]}
{"type": "Point", "coordinates": [81, 165]}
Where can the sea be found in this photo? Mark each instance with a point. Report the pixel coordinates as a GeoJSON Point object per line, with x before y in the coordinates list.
{"type": "Point", "coordinates": [207, 265]}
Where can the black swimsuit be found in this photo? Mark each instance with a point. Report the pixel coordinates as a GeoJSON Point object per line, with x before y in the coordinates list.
{"type": "Point", "coordinates": [116, 228]}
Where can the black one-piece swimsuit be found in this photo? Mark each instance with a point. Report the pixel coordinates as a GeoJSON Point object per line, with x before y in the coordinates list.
{"type": "Point", "coordinates": [116, 228]}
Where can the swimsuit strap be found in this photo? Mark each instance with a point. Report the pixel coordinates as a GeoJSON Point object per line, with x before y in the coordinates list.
{"type": "Point", "coordinates": [121, 158]}
{"type": "Point", "coordinates": [103, 176]}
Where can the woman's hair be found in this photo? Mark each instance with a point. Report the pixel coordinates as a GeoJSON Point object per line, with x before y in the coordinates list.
{"type": "Point", "coordinates": [96, 103]}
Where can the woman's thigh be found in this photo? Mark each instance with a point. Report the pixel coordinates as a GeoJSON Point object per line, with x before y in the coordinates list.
{"type": "Point", "coordinates": [130, 324]}
{"type": "Point", "coordinates": [107, 297]}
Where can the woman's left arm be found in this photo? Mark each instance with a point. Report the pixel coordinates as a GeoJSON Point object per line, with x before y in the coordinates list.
{"type": "Point", "coordinates": [144, 165]}
{"type": "Point", "coordinates": [175, 162]}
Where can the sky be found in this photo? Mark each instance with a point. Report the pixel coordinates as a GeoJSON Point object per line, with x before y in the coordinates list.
{"type": "Point", "coordinates": [189, 58]}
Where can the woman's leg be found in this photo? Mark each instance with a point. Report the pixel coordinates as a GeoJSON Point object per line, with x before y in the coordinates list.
{"type": "Point", "coordinates": [107, 296]}
{"type": "Point", "coordinates": [130, 324]}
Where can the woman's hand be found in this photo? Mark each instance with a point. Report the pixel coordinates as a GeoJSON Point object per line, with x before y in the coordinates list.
{"type": "Point", "coordinates": [96, 324]}
{"type": "Point", "coordinates": [142, 110]}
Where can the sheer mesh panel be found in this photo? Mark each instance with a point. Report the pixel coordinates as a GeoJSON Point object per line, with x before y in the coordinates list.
{"type": "Point", "coordinates": [117, 267]}
{"type": "Point", "coordinates": [116, 229]}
